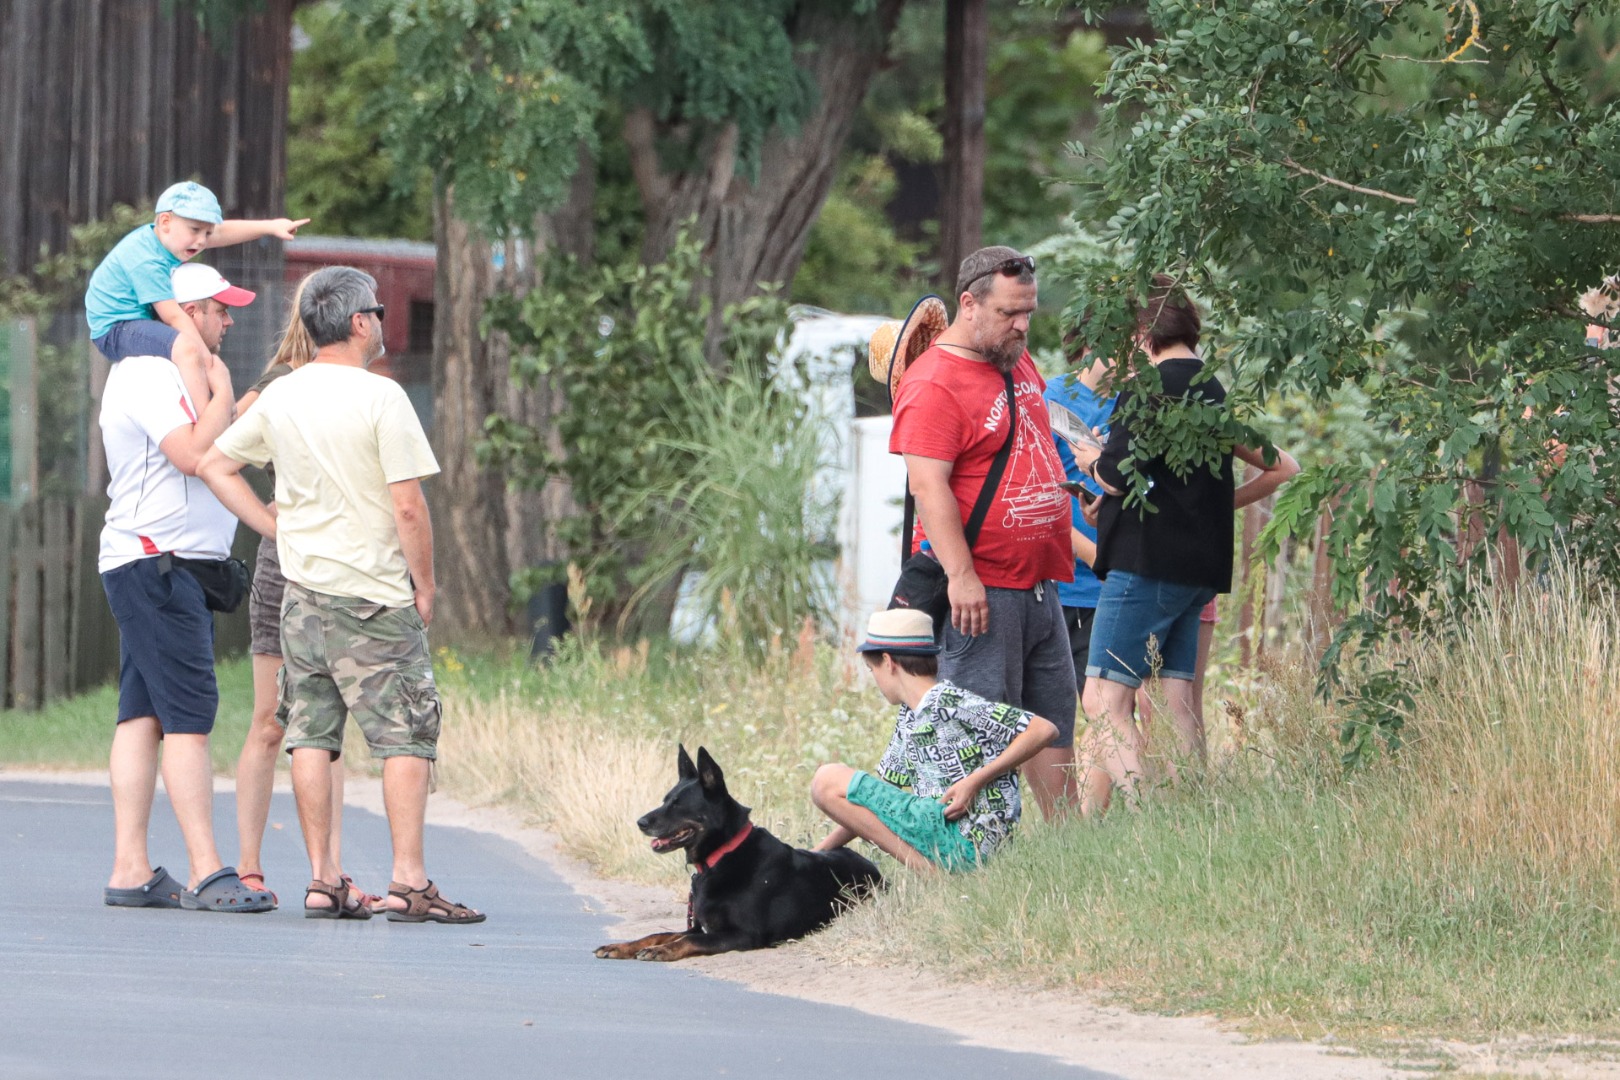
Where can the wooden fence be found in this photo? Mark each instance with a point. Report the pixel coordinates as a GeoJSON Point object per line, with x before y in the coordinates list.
{"type": "Point", "coordinates": [58, 634]}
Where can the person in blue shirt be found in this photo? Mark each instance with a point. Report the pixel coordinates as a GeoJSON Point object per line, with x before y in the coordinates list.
{"type": "Point", "coordinates": [130, 302]}
{"type": "Point", "coordinates": [1086, 395]}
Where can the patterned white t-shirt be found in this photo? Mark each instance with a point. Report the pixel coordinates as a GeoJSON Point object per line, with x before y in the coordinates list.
{"type": "Point", "coordinates": [155, 507]}
{"type": "Point", "coordinates": [950, 733]}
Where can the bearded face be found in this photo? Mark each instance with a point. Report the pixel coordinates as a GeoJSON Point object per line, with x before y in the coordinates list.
{"type": "Point", "coordinates": [1001, 322]}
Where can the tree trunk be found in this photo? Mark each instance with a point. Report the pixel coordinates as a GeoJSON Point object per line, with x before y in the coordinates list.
{"type": "Point", "coordinates": [754, 232]}
{"type": "Point", "coordinates": [483, 531]}
{"type": "Point", "coordinates": [967, 44]}
{"type": "Point", "coordinates": [469, 381]}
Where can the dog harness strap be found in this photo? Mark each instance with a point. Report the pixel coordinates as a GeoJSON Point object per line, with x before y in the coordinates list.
{"type": "Point", "coordinates": [728, 847]}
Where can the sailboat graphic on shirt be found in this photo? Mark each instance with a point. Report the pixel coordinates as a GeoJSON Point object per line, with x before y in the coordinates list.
{"type": "Point", "coordinates": [1032, 496]}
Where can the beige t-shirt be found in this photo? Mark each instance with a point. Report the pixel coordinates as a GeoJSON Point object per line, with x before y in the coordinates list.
{"type": "Point", "coordinates": [339, 436]}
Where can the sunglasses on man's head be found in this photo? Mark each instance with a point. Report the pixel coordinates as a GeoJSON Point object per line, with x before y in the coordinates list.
{"type": "Point", "coordinates": [1010, 267]}
{"type": "Point", "coordinates": [377, 311]}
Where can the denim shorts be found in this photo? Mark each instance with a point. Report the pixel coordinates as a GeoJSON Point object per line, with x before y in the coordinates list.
{"type": "Point", "coordinates": [165, 647]}
{"type": "Point", "coordinates": [1144, 627]}
{"type": "Point", "coordinates": [138, 337]}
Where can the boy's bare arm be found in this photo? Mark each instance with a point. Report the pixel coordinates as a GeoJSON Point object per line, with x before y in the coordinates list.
{"type": "Point", "coordinates": [241, 230]}
{"type": "Point", "coordinates": [839, 837]}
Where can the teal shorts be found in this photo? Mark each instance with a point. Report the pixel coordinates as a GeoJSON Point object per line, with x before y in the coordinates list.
{"type": "Point", "coordinates": [918, 821]}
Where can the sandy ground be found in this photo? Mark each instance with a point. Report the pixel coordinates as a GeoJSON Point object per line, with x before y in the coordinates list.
{"type": "Point", "coordinates": [1069, 1026]}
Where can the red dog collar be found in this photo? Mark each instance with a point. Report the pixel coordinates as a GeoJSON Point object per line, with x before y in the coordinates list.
{"type": "Point", "coordinates": [727, 848]}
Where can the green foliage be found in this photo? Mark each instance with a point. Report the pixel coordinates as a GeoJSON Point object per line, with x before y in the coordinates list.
{"type": "Point", "coordinates": [743, 509]}
{"type": "Point", "coordinates": [339, 172]}
{"type": "Point", "coordinates": [630, 336]}
{"type": "Point", "coordinates": [53, 296]}
{"type": "Point", "coordinates": [854, 261]}
{"type": "Point", "coordinates": [874, 246]}
{"type": "Point", "coordinates": [1428, 248]}
{"type": "Point", "coordinates": [57, 282]}
{"type": "Point", "coordinates": [495, 96]}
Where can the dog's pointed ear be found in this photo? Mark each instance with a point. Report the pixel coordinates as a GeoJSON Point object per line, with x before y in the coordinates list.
{"type": "Point", "coordinates": [709, 774]}
{"type": "Point", "coordinates": [684, 766]}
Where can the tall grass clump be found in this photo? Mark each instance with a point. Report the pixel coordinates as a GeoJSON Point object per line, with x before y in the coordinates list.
{"type": "Point", "coordinates": [745, 511]}
{"type": "Point", "coordinates": [1466, 885]}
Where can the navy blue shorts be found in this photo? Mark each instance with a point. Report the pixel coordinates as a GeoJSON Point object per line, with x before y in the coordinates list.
{"type": "Point", "coordinates": [1143, 627]}
{"type": "Point", "coordinates": [138, 337]}
{"type": "Point", "coordinates": [165, 647]}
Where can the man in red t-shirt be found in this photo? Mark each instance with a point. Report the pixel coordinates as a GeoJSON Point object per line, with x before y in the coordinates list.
{"type": "Point", "coordinates": [1005, 640]}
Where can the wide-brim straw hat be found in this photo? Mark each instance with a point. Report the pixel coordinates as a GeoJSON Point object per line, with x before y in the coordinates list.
{"type": "Point", "coordinates": [894, 345]}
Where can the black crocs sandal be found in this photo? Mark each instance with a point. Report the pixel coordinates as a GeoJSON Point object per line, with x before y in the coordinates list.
{"type": "Point", "coordinates": [161, 892]}
{"type": "Point", "coordinates": [223, 891]}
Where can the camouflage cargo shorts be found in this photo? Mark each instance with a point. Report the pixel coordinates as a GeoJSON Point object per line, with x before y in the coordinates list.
{"type": "Point", "coordinates": [341, 656]}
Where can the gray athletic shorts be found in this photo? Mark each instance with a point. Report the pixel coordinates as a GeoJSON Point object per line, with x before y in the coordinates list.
{"type": "Point", "coordinates": [1022, 660]}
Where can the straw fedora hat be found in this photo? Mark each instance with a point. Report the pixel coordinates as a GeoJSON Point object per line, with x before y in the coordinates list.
{"type": "Point", "coordinates": [894, 345]}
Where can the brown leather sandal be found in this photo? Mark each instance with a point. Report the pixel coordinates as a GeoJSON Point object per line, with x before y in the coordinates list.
{"type": "Point", "coordinates": [341, 907]}
{"type": "Point", "coordinates": [426, 905]}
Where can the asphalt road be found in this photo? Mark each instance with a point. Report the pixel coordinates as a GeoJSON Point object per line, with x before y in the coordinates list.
{"type": "Point", "coordinates": [88, 991]}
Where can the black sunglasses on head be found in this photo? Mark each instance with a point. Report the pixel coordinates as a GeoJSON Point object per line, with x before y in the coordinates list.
{"type": "Point", "coordinates": [1010, 267]}
{"type": "Point", "coordinates": [377, 311]}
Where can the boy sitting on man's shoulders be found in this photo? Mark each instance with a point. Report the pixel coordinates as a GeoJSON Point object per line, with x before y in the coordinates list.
{"type": "Point", "coordinates": [130, 303]}
{"type": "Point", "coordinates": [956, 751]}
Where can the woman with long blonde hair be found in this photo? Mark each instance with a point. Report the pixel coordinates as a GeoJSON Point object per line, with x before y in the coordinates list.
{"type": "Point", "coordinates": [256, 768]}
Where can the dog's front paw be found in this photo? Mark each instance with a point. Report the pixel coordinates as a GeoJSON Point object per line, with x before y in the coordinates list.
{"type": "Point", "coordinates": [660, 952]}
{"type": "Point", "coordinates": [622, 950]}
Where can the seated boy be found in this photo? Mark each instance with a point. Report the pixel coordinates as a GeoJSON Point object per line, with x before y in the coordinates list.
{"type": "Point", "coordinates": [130, 302]}
{"type": "Point", "coordinates": [956, 751]}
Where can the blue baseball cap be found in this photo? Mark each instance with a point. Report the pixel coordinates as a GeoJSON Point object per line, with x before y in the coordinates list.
{"type": "Point", "coordinates": [191, 200]}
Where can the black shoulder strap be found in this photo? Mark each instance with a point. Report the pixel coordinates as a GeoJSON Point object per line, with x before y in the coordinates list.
{"type": "Point", "coordinates": [992, 481]}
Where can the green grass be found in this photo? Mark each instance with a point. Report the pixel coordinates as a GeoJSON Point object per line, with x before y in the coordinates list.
{"type": "Point", "coordinates": [76, 733]}
{"type": "Point", "coordinates": [1282, 904]}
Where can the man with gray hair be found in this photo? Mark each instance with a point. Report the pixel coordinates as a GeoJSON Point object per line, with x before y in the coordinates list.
{"type": "Point", "coordinates": [970, 412]}
{"type": "Point", "coordinates": [356, 546]}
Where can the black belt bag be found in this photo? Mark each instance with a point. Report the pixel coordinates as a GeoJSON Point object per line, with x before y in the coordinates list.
{"type": "Point", "coordinates": [224, 581]}
{"type": "Point", "coordinates": [922, 584]}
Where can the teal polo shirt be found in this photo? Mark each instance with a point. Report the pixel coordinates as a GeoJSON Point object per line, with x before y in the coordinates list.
{"type": "Point", "coordinates": [133, 277]}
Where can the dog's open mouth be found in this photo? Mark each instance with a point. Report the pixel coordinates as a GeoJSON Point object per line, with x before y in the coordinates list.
{"type": "Point", "coordinates": [673, 840]}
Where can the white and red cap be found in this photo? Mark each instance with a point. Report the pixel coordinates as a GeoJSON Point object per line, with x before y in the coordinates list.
{"type": "Point", "coordinates": [194, 281]}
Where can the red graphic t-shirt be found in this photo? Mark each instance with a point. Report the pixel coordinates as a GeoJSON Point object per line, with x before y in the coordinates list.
{"type": "Point", "coordinates": [954, 409]}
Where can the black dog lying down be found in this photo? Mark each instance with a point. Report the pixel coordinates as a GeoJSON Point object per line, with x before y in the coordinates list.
{"type": "Point", "coordinates": [749, 890]}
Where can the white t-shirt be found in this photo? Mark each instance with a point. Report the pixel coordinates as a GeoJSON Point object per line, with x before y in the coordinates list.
{"type": "Point", "coordinates": [339, 436]}
{"type": "Point", "coordinates": [155, 507]}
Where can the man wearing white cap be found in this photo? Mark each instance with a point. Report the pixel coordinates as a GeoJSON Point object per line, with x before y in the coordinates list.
{"type": "Point", "coordinates": [164, 534]}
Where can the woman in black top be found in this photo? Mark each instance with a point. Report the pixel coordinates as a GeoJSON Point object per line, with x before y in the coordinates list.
{"type": "Point", "coordinates": [1160, 566]}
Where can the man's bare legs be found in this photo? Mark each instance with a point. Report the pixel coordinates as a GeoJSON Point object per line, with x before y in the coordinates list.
{"type": "Point", "coordinates": [256, 774]}
{"type": "Point", "coordinates": [188, 778]}
{"type": "Point", "coordinates": [829, 790]}
{"type": "Point", "coordinates": [405, 794]}
{"type": "Point", "coordinates": [312, 790]}
{"type": "Point", "coordinates": [133, 768]}
{"type": "Point", "coordinates": [1050, 775]}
